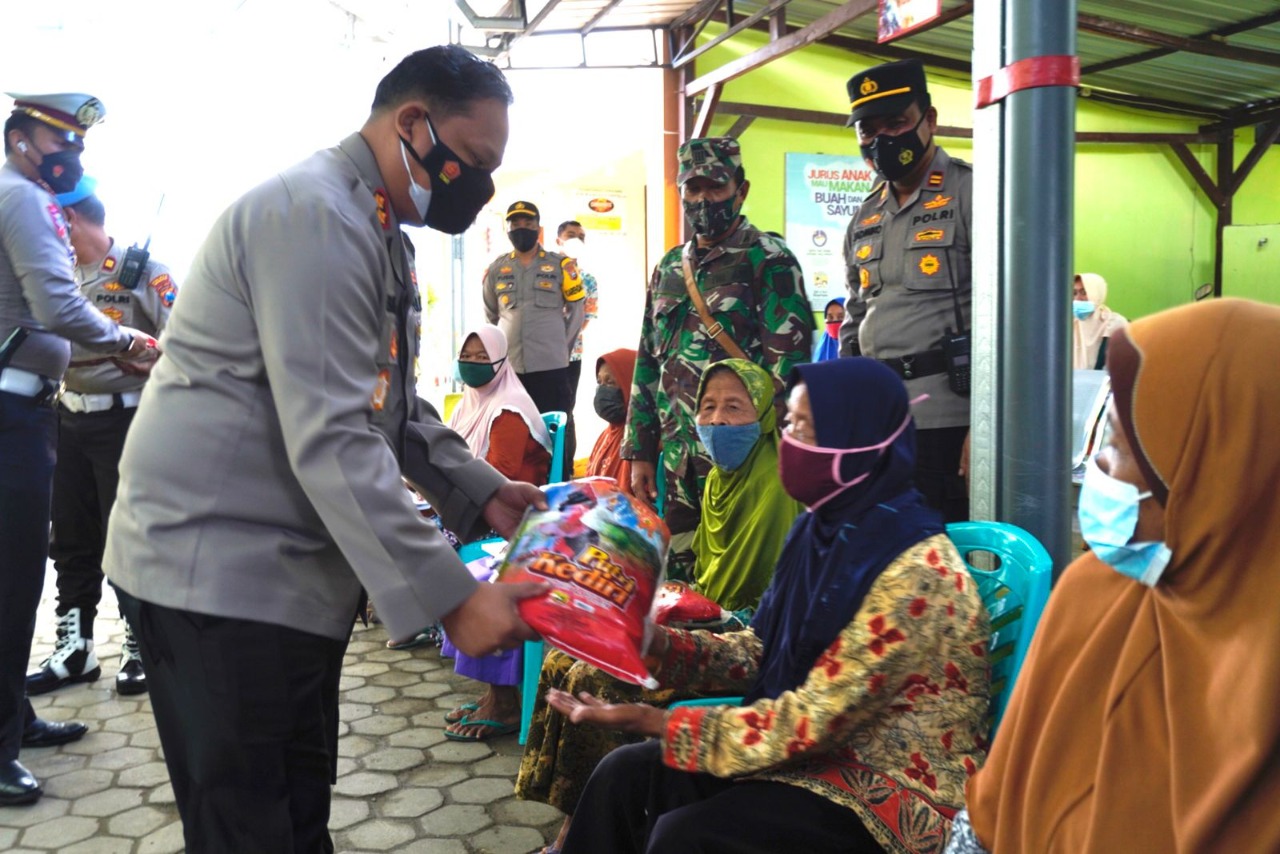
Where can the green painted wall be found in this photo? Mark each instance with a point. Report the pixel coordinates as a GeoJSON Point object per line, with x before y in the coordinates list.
{"type": "Point", "coordinates": [1140, 220]}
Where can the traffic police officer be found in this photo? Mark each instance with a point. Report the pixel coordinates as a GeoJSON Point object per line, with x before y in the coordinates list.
{"type": "Point", "coordinates": [907, 261]}
{"type": "Point", "coordinates": [40, 309]}
{"type": "Point", "coordinates": [538, 299]}
{"type": "Point", "coordinates": [95, 410]}
{"type": "Point", "coordinates": [752, 290]}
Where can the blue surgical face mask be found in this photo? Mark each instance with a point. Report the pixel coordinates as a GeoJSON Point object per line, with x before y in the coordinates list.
{"type": "Point", "coordinates": [729, 445]}
{"type": "Point", "coordinates": [1108, 521]}
{"type": "Point", "coordinates": [1083, 308]}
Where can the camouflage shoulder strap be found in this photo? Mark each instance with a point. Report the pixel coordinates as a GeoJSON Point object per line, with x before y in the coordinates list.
{"type": "Point", "coordinates": [714, 328]}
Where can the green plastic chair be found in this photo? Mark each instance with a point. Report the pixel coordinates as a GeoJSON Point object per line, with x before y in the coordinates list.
{"type": "Point", "coordinates": [534, 650]}
{"type": "Point", "coordinates": [1014, 592]}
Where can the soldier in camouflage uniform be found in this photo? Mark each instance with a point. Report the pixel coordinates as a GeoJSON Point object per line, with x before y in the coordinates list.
{"type": "Point", "coordinates": [752, 286]}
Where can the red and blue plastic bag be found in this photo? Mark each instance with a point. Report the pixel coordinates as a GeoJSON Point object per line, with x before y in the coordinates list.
{"type": "Point", "coordinates": [604, 555]}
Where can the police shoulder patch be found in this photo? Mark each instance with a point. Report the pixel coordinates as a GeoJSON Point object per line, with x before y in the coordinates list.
{"type": "Point", "coordinates": [570, 268]}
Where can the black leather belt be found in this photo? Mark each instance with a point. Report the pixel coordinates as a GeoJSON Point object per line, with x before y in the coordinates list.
{"type": "Point", "coordinates": [917, 365]}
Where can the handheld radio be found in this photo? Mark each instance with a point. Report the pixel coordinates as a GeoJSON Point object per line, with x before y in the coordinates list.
{"type": "Point", "coordinates": [136, 258]}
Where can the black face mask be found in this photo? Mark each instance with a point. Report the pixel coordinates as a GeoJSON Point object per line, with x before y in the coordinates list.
{"type": "Point", "coordinates": [61, 170]}
{"type": "Point", "coordinates": [895, 156]}
{"type": "Point", "coordinates": [609, 405]}
{"type": "Point", "coordinates": [712, 219]}
{"type": "Point", "coordinates": [523, 239]}
{"type": "Point", "coordinates": [458, 190]}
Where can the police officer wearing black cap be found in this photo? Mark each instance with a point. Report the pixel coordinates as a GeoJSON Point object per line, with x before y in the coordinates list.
{"type": "Point", "coordinates": [41, 312]}
{"type": "Point", "coordinates": [538, 298]}
{"type": "Point", "coordinates": [907, 261]}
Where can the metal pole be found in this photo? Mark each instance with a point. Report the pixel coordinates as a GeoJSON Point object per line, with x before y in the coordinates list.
{"type": "Point", "coordinates": [988, 214]}
{"type": "Point", "coordinates": [1035, 340]}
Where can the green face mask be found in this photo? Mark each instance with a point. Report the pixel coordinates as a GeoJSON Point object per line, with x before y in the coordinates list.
{"type": "Point", "coordinates": [477, 374]}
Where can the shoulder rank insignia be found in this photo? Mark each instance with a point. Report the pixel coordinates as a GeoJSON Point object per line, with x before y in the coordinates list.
{"type": "Point", "coordinates": [935, 180]}
{"type": "Point", "coordinates": [384, 217]}
{"type": "Point", "coordinates": [163, 286]}
{"type": "Point", "coordinates": [109, 264]}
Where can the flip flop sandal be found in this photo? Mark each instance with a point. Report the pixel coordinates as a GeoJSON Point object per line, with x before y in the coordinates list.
{"type": "Point", "coordinates": [459, 715]}
{"type": "Point", "coordinates": [420, 639]}
{"type": "Point", "coordinates": [496, 728]}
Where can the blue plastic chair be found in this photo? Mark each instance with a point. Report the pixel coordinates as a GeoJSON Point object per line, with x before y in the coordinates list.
{"type": "Point", "coordinates": [534, 650]}
{"type": "Point", "coordinates": [1014, 593]}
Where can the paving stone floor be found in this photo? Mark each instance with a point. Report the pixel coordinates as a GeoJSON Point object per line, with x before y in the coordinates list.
{"type": "Point", "coordinates": [402, 786]}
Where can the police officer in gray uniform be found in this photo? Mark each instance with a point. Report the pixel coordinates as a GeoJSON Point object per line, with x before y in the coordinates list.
{"type": "Point", "coordinates": [40, 309]}
{"type": "Point", "coordinates": [95, 410]}
{"type": "Point", "coordinates": [907, 258]}
{"type": "Point", "coordinates": [538, 298]}
{"type": "Point", "coordinates": [261, 483]}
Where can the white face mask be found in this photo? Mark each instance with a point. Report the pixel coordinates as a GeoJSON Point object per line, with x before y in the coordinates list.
{"type": "Point", "coordinates": [574, 248]}
{"type": "Point", "coordinates": [420, 195]}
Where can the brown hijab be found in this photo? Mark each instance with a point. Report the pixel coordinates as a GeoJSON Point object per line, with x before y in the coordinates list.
{"type": "Point", "coordinates": [606, 456]}
{"type": "Point", "coordinates": [1148, 719]}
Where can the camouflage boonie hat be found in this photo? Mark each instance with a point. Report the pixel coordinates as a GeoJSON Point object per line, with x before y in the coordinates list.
{"type": "Point", "coordinates": [718, 158]}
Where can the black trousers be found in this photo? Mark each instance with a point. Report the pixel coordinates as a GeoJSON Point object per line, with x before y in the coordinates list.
{"type": "Point", "coordinates": [550, 393]}
{"type": "Point", "coordinates": [634, 803]}
{"type": "Point", "coordinates": [84, 488]}
{"type": "Point", "coordinates": [937, 467]}
{"type": "Point", "coordinates": [27, 453]}
{"type": "Point", "coordinates": [248, 718]}
{"type": "Point", "coordinates": [575, 377]}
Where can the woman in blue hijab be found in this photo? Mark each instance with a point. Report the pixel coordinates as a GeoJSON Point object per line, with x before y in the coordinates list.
{"type": "Point", "coordinates": [828, 346]}
{"type": "Point", "coordinates": [864, 669]}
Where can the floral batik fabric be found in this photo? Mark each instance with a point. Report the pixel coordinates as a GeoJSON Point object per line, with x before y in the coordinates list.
{"type": "Point", "coordinates": [891, 720]}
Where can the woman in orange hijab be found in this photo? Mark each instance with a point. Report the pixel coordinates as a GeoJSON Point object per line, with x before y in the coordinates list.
{"type": "Point", "coordinates": [613, 396]}
{"type": "Point", "coordinates": [1147, 716]}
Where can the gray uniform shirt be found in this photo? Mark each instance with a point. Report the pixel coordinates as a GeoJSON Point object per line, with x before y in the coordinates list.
{"type": "Point", "coordinates": [146, 307]}
{"type": "Point", "coordinates": [901, 266]}
{"type": "Point", "coordinates": [37, 289]}
{"type": "Point", "coordinates": [261, 478]}
{"type": "Point", "coordinates": [539, 307]}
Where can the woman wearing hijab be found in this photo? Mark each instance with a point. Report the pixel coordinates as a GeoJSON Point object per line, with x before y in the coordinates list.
{"type": "Point", "coordinates": [867, 695]}
{"type": "Point", "coordinates": [829, 340]}
{"type": "Point", "coordinates": [1144, 718]}
{"type": "Point", "coordinates": [613, 396]}
{"type": "Point", "coordinates": [1094, 323]}
{"type": "Point", "coordinates": [501, 424]}
{"type": "Point", "coordinates": [496, 416]}
{"type": "Point", "coordinates": [745, 516]}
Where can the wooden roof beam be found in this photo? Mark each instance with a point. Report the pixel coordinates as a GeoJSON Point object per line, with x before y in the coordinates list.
{"type": "Point", "coordinates": [1218, 33]}
{"type": "Point", "coordinates": [1204, 47]}
{"type": "Point", "coordinates": [802, 37]}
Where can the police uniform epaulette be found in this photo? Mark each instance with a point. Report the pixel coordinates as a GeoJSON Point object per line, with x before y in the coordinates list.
{"type": "Point", "coordinates": [875, 189]}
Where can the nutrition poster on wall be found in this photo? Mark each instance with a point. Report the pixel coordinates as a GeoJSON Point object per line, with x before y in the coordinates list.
{"type": "Point", "coordinates": [823, 191]}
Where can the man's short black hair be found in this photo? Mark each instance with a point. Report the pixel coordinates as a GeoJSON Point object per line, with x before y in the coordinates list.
{"type": "Point", "coordinates": [448, 77]}
{"type": "Point", "coordinates": [90, 208]}
{"type": "Point", "coordinates": [568, 223]}
{"type": "Point", "coordinates": [20, 122]}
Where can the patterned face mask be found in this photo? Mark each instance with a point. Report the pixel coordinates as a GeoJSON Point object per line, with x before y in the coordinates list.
{"type": "Point", "coordinates": [712, 219]}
